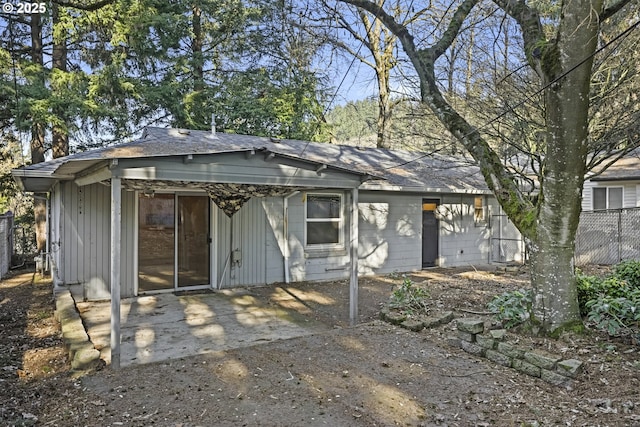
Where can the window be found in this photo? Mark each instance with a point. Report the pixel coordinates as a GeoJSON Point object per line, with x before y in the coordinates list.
{"type": "Point", "coordinates": [607, 198]}
{"type": "Point", "coordinates": [323, 218]}
{"type": "Point", "coordinates": [479, 214]}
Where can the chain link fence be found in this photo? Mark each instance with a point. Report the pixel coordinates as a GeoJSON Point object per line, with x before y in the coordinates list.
{"type": "Point", "coordinates": [608, 237]}
{"type": "Point", "coordinates": [507, 245]}
{"type": "Point", "coordinates": [6, 242]}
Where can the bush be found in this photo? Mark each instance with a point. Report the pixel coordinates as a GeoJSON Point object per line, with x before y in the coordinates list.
{"type": "Point", "coordinates": [592, 287]}
{"type": "Point", "coordinates": [616, 315]}
{"type": "Point", "coordinates": [629, 271]}
{"type": "Point", "coordinates": [512, 308]}
{"type": "Point", "coordinates": [612, 304]}
{"type": "Point", "coordinates": [409, 298]}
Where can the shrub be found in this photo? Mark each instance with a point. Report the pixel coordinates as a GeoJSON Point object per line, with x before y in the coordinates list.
{"type": "Point", "coordinates": [616, 314]}
{"type": "Point", "coordinates": [592, 287]}
{"type": "Point", "coordinates": [511, 308]}
{"type": "Point", "coordinates": [629, 271]}
{"type": "Point", "coordinates": [408, 297]}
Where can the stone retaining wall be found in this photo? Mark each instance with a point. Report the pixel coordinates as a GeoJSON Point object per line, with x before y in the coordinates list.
{"type": "Point", "coordinates": [536, 363]}
{"type": "Point", "coordinates": [83, 356]}
{"type": "Point", "coordinates": [471, 338]}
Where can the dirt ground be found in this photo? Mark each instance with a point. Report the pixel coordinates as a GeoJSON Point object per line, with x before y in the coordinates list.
{"type": "Point", "coordinates": [373, 374]}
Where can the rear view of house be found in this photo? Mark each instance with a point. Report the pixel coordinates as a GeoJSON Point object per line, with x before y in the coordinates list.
{"type": "Point", "coordinates": [181, 210]}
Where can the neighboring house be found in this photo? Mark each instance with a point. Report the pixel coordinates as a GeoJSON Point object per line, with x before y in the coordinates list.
{"type": "Point", "coordinates": [617, 187]}
{"type": "Point", "coordinates": [180, 210]}
{"type": "Point", "coordinates": [609, 229]}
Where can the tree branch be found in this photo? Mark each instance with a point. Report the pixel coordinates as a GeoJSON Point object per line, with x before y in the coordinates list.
{"type": "Point", "coordinates": [499, 179]}
{"type": "Point", "coordinates": [532, 33]}
{"type": "Point", "coordinates": [613, 9]}
{"type": "Point", "coordinates": [89, 7]}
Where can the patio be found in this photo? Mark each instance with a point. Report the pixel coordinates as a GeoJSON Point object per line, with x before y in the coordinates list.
{"type": "Point", "coordinates": [168, 326]}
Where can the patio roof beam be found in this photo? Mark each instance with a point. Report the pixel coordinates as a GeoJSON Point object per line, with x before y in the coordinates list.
{"type": "Point", "coordinates": [100, 174]}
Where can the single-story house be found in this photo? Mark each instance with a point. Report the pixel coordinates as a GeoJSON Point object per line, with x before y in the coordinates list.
{"type": "Point", "coordinates": [618, 187]}
{"type": "Point", "coordinates": [182, 209]}
{"type": "Point", "coordinates": [610, 220]}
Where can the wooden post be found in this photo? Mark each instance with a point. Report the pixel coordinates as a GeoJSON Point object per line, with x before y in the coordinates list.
{"type": "Point", "coordinates": [116, 216]}
{"type": "Point", "coordinates": [353, 282]}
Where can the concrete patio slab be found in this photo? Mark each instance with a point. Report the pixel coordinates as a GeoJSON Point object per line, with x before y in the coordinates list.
{"type": "Point", "coordinates": [168, 326]}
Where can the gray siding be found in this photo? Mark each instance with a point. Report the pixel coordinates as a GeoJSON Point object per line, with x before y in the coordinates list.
{"type": "Point", "coordinates": [86, 236]}
{"type": "Point", "coordinates": [630, 193]}
{"type": "Point", "coordinates": [273, 207]}
{"type": "Point", "coordinates": [315, 264]}
{"type": "Point", "coordinates": [390, 232]}
{"type": "Point", "coordinates": [462, 241]}
{"type": "Point", "coordinates": [390, 238]}
{"type": "Point", "coordinates": [249, 237]}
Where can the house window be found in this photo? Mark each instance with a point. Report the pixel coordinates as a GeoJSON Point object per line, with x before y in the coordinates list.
{"type": "Point", "coordinates": [479, 210]}
{"type": "Point", "coordinates": [607, 198]}
{"type": "Point", "coordinates": [323, 219]}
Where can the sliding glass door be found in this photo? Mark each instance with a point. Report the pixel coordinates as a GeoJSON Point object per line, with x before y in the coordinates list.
{"type": "Point", "coordinates": [173, 242]}
{"type": "Point", "coordinates": [193, 241]}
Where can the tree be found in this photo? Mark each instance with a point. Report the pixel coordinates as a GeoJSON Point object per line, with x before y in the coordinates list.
{"type": "Point", "coordinates": [559, 45]}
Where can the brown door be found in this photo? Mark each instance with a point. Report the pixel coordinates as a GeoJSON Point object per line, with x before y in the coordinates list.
{"type": "Point", "coordinates": [430, 233]}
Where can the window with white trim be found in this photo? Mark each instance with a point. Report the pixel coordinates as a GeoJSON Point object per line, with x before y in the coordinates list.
{"type": "Point", "coordinates": [323, 219]}
{"type": "Point", "coordinates": [607, 198]}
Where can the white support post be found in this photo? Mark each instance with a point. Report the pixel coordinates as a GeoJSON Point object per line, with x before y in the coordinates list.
{"type": "Point", "coordinates": [353, 283]}
{"type": "Point", "coordinates": [116, 216]}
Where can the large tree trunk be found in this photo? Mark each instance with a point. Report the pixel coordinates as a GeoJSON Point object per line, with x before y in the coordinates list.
{"type": "Point", "coordinates": [37, 137]}
{"type": "Point", "coordinates": [59, 134]}
{"type": "Point", "coordinates": [567, 98]}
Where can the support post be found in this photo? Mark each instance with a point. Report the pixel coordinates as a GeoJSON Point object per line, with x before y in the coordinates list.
{"type": "Point", "coordinates": [353, 282]}
{"type": "Point", "coordinates": [116, 216]}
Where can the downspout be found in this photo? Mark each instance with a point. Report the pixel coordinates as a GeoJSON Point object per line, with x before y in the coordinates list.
{"type": "Point", "coordinates": [285, 233]}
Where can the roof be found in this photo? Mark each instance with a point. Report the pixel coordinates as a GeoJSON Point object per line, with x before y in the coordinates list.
{"type": "Point", "coordinates": [382, 169]}
{"type": "Point", "coordinates": [625, 169]}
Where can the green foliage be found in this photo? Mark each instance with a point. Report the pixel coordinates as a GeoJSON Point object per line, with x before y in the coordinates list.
{"type": "Point", "coordinates": [629, 271]}
{"type": "Point", "coordinates": [616, 315]}
{"type": "Point", "coordinates": [408, 297]}
{"type": "Point", "coordinates": [512, 308]}
{"type": "Point", "coordinates": [592, 287]}
{"type": "Point", "coordinates": [612, 303]}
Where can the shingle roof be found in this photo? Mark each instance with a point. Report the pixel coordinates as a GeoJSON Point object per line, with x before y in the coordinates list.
{"type": "Point", "coordinates": [627, 168]}
{"type": "Point", "coordinates": [401, 170]}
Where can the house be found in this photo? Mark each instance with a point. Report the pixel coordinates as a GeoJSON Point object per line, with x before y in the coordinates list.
{"type": "Point", "coordinates": [610, 219]}
{"type": "Point", "coordinates": [183, 210]}
{"type": "Point", "coordinates": [618, 187]}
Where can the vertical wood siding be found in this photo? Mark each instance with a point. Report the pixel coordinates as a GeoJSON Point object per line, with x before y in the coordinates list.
{"type": "Point", "coordinates": [249, 236]}
{"type": "Point", "coordinates": [85, 239]}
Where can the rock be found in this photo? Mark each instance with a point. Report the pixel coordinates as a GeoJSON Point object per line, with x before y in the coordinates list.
{"type": "Point", "coordinates": [472, 326]}
{"type": "Point", "coordinates": [472, 348]}
{"type": "Point", "coordinates": [554, 378]}
{"type": "Point", "coordinates": [510, 350]}
{"type": "Point", "coordinates": [542, 360]}
{"type": "Point", "coordinates": [413, 325]}
{"type": "Point", "coordinates": [395, 318]}
{"type": "Point", "coordinates": [498, 334]}
{"type": "Point", "coordinates": [570, 368]}
{"type": "Point", "coordinates": [499, 358]}
{"type": "Point", "coordinates": [526, 368]}
{"type": "Point", "coordinates": [486, 341]}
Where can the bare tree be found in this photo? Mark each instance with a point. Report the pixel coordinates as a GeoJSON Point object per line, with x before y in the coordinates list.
{"type": "Point", "coordinates": [559, 46]}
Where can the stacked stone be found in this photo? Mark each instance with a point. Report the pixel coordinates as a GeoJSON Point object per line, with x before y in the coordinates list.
{"type": "Point", "coordinates": [83, 356]}
{"type": "Point", "coordinates": [418, 323]}
{"type": "Point", "coordinates": [552, 369]}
